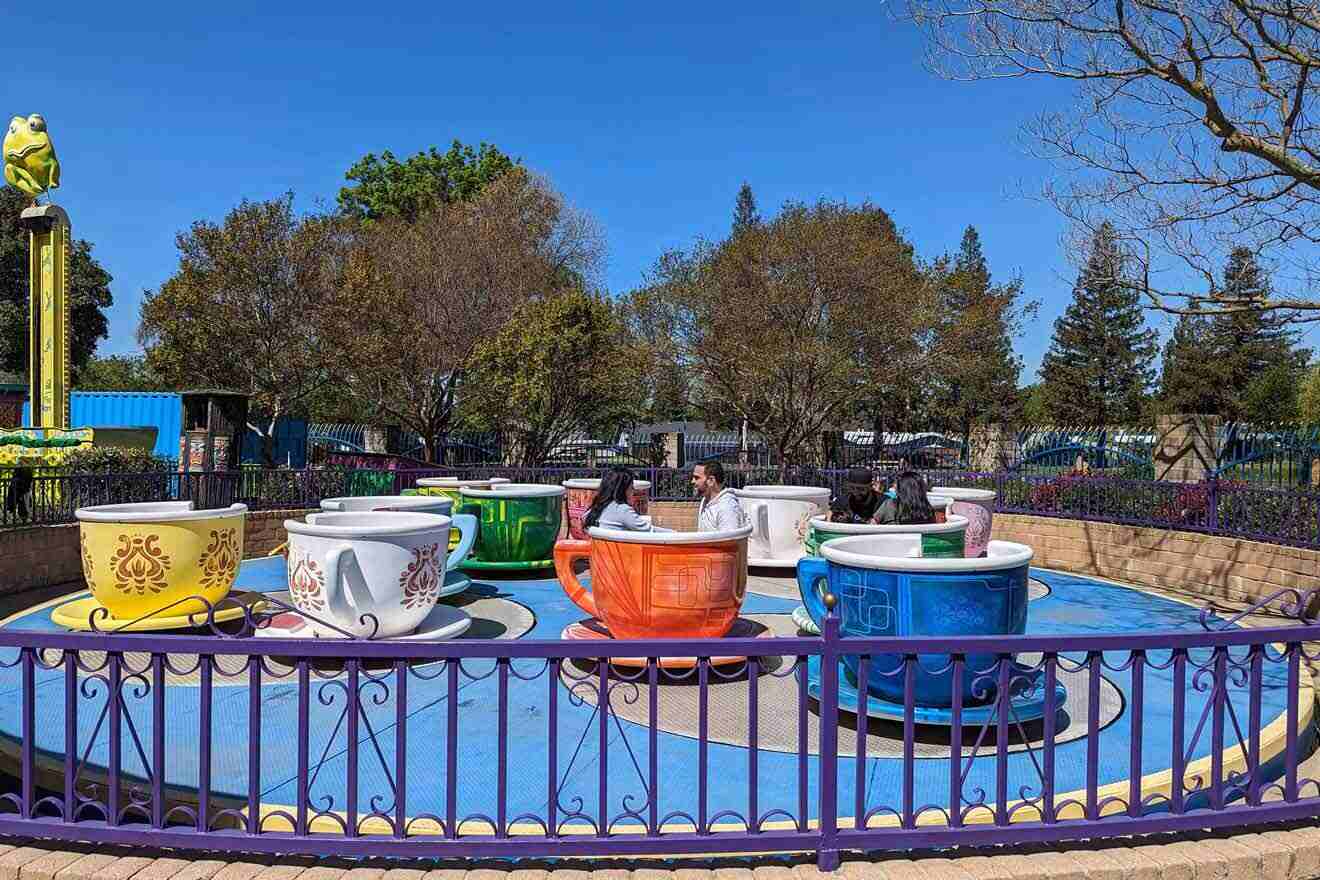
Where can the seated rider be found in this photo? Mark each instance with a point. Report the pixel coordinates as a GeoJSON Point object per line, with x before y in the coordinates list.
{"type": "Point", "coordinates": [909, 506]}
{"type": "Point", "coordinates": [860, 503]}
{"type": "Point", "coordinates": [610, 508]}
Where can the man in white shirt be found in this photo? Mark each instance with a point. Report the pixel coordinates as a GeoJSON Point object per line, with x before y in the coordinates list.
{"type": "Point", "coordinates": [720, 510]}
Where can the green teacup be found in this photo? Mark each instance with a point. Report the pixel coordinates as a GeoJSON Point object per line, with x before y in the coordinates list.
{"type": "Point", "coordinates": [518, 524]}
{"type": "Point", "coordinates": [938, 540]}
{"type": "Point", "coordinates": [451, 487]}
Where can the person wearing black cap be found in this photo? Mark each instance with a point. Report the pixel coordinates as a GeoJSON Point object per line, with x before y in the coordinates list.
{"type": "Point", "coordinates": [861, 501]}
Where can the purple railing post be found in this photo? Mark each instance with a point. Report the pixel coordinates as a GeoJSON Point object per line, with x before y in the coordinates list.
{"type": "Point", "coordinates": [29, 728]}
{"type": "Point", "coordinates": [827, 854]}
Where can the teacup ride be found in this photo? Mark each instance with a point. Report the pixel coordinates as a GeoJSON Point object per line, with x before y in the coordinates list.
{"type": "Point", "coordinates": [451, 488]}
{"type": "Point", "coordinates": [882, 587]}
{"type": "Point", "coordinates": [941, 505]}
{"type": "Point", "coordinates": [463, 527]}
{"type": "Point", "coordinates": [780, 517]}
{"type": "Point", "coordinates": [580, 493]}
{"type": "Point", "coordinates": [157, 566]}
{"type": "Point", "coordinates": [367, 575]}
{"type": "Point", "coordinates": [978, 506]}
{"type": "Point", "coordinates": [517, 525]}
{"type": "Point", "coordinates": [659, 585]}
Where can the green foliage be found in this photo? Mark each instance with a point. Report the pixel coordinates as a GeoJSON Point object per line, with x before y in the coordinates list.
{"type": "Point", "coordinates": [1272, 395]}
{"type": "Point", "coordinates": [126, 372]}
{"type": "Point", "coordinates": [385, 187]}
{"type": "Point", "coordinates": [1035, 409]}
{"type": "Point", "coordinates": [113, 459]}
{"type": "Point", "coordinates": [563, 364]}
{"type": "Point", "coordinates": [978, 381]}
{"type": "Point", "coordinates": [1308, 396]}
{"type": "Point", "coordinates": [1212, 364]}
{"type": "Point", "coordinates": [89, 291]}
{"type": "Point", "coordinates": [1098, 369]}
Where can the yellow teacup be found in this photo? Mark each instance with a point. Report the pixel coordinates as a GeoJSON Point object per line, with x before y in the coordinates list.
{"type": "Point", "coordinates": [141, 559]}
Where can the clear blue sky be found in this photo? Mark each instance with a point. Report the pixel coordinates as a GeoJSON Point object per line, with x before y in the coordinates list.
{"type": "Point", "coordinates": [647, 118]}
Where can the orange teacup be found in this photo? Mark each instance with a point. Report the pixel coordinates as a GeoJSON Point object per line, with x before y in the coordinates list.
{"type": "Point", "coordinates": [659, 584]}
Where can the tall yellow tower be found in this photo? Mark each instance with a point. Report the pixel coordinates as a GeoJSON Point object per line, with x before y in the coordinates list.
{"type": "Point", "coordinates": [49, 239]}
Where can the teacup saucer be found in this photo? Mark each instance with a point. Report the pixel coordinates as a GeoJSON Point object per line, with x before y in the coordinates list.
{"type": "Point", "coordinates": [592, 630]}
{"type": "Point", "coordinates": [76, 615]}
{"type": "Point", "coordinates": [455, 583]}
{"type": "Point", "coordinates": [471, 564]}
{"type": "Point", "coordinates": [444, 622]}
{"type": "Point", "coordinates": [1027, 706]}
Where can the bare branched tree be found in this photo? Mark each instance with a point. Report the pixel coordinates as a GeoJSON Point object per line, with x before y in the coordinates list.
{"type": "Point", "coordinates": [1192, 133]}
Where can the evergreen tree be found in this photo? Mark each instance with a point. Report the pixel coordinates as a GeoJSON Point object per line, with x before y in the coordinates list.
{"type": "Point", "coordinates": [1191, 378]}
{"type": "Point", "coordinates": [1099, 366]}
{"type": "Point", "coordinates": [744, 209]}
{"type": "Point", "coordinates": [980, 382]}
{"type": "Point", "coordinates": [1245, 346]}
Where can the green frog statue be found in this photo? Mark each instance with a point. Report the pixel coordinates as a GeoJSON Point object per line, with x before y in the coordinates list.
{"type": "Point", "coordinates": [30, 162]}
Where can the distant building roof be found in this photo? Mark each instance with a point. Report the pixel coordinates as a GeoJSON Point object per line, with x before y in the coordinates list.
{"type": "Point", "coordinates": [643, 432]}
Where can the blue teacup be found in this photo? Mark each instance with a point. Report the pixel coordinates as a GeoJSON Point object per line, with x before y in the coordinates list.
{"type": "Point", "coordinates": [880, 594]}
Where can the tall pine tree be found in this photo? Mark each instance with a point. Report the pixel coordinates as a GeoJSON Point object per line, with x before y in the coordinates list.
{"type": "Point", "coordinates": [1237, 364]}
{"type": "Point", "coordinates": [1249, 346]}
{"type": "Point", "coordinates": [980, 384]}
{"type": "Point", "coordinates": [1099, 367]}
{"type": "Point", "coordinates": [744, 209]}
{"type": "Point", "coordinates": [1190, 377]}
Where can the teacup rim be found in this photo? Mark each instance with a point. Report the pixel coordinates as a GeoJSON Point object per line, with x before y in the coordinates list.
{"type": "Point", "coordinates": [514, 490]}
{"type": "Point", "coordinates": [774, 490]}
{"type": "Point", "coordinates": [627, 536]}
{"type": "Point", "coordinates": [457, 483]}
{"type": "Point", "coordinates": [960, 494]}
{"type": "Point", "coordinates": [383, 524]}
{"type": "Point", "coordinates": [154, 511]}
{"type": "Point", "coordinates": [402, 500]}
{"type": "Point", "coordinates": [954, 523]}
{"type": "Point", "coordinates": [594, 483]}
{"type": "Point", "coordinates": [1015, 556]}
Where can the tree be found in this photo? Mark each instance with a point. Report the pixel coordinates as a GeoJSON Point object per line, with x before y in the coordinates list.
{"type": "Point", "coordinates": [978, 323]}
{"type": "Point", "coordinates": [744, 209]}
{"type": "Point", "coordinates": [421, 297]}
{"type": "Point", "coordinates": [1035, 409]}
{"type": "Point", "coordinates": [126, 372]}
{"type": "Point", "coordinates": [789, 322]}
{"type": "Point", "coordinates": [1190, 377]}
{"type": "Point", "coordinates": [1272, 396]}
{"type": "Point", "coordinates": [1099, 365]}
{"type": "Point", "coordinates": [1308, 397]}
{"type": "Point", "coordinates": [1212, 361]}
{"type": "Point", "coordinates": [385, 187]}
{"type": "Point", "coordinates": [1192, 126]}
{"type": "Point", "coordinates": [89, 292]}
{"type": "Point", "coordinates": [561, 366]}
{"type": "Point", "coordinates": [243, 310]}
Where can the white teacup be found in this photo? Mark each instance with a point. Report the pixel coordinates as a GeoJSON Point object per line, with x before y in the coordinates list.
{"type": "Point", "coordinates": [368, 573]}
{"type": "Point", "coordinates": [780, 517]}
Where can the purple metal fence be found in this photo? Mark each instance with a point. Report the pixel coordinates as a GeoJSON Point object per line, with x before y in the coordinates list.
{"type": "Point", "coordinates": [123, 791]}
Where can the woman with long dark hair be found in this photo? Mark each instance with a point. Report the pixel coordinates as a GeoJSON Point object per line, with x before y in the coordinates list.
{"type": "Point", "coordinates": [610, 508]}
{"type": "Point", "coordinates": [910, 506]}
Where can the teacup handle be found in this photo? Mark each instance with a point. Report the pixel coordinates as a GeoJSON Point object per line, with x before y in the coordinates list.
{"type": "Point", "coordinates": [566, 553]}
{"type": "Point", "coordinates": [466, 524]}
{"type": "Point", "coordinates": [332, 505]}
{"type": "Point", "coordinates": [811, 570]}
{"type": "Point", "coordinates": [334, 594]}
{"type": "Point", "coordinates": [760, 516]}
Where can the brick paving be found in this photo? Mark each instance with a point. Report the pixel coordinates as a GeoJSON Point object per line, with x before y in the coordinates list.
{"type": "Point", "coordinates": [1289, 852]}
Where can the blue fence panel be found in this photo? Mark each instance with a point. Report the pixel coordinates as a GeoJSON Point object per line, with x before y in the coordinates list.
{"type": "Point", "coordinates": [290, 444]}
{"type": "Point", "coordinates": [129, 409]}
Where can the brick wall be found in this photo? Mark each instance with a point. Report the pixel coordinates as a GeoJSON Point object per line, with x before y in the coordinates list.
{"type": "Point", "coordinates": [1200, 565]}
{"type": "Point", "coordinates": [47, 555]}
